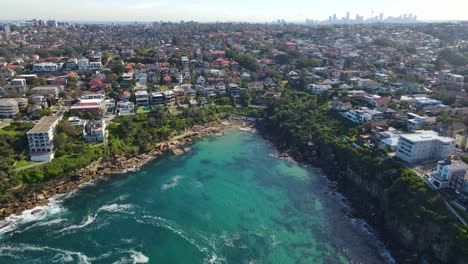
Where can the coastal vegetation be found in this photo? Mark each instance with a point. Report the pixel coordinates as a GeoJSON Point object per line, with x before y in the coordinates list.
{"type": "Point", "coordinates": [128, 136]}
{"type": "Point", "coordinates": [302, 123]}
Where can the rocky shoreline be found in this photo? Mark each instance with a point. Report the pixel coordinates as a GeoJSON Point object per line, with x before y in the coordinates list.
{"type": "Point", "coordinates": [118, 165]}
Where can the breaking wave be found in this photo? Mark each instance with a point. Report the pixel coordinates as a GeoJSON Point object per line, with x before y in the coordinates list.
{"type": "Point", "coordinates": [60, 256]}
{"type": "Point", "coordinates": [87, 221]}
{"type": "Point", "coordinates": [13, 222]}
{"type": "Point", "coordinates": [172, 183]}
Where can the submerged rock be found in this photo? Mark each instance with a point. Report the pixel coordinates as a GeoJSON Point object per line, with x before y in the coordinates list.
{"type": "Point", "coordinates": [177, 151]}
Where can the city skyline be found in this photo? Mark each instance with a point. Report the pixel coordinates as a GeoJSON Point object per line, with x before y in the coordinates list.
{"type": "Point", "coordinates": [239, 11]}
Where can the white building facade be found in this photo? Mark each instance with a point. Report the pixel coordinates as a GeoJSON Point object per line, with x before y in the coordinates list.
{"type": "Point", "coordinates": [424, 146]}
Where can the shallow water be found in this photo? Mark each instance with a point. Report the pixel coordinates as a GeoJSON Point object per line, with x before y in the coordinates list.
{"type": "Point", "coordinates": [226, 201]}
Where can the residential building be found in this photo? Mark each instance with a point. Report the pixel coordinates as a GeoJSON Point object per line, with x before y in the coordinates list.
{"type": "Point", "coordinates": [461, 141]}
{"type": "Point", "coordinates": [47, 91]}
{"type": "Point", "coordinates": [446, 170]}
{"type": "Point", "coordinates": [40, 138]}
{"type": "Point", "coordinates": [93, 108]}
{"type": "Point", "coordinates": [83, 64]}
{"type": "Point", "coordinates": [169, 96]}
{"type": "Point", "coordinates": [18, 82]}
{"type": "Point", "coordinates": [8, 108]}
{"type": "Point", "coordinates": [234, 90]}
{"type": "Point", "coordinates": [157, 98]}
{"type": "Point", "coordinates": [128, 53]}
{"type": "Point", "coordinates": [141, 98]}
{"type": "Point", "coordinates": [453, 81]}
{"type": "Point", "coordinates": [72, 63]}
{"type": "Point", "coordinates": [340, 106]}
{"type": "Point", "coordinates": [415, 121]}
{"type": "Point", "coordinates": [47, 67]}
{"type": "Point", "coordinates": [109, 105]}
{"type": "Point", "coordinates": [92, 97]}
{"type": "Point", "coordinates": [363, 115]}
{"type": "Point", "coordinates": [125, 108]}
{"type": "Point", "coordinates": [95, 131]}
{"type": "Point", "coordinates": [95, 65]}
{"type": "Point", "coordinates": [318, 88]}
{"type": "Point", "coordinates": [424, 146]}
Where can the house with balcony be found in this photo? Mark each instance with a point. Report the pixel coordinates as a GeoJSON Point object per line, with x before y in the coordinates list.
{"type": "Point", "coordinates": [47, 67]}
{"type": "Point", "coordinates": [318, 88]}
{"type": "Point", "coordinates": [157, 98]}
{"type": "Point", "coordinates": [363, 115]}
{"type": "Point", "coordinates": [95, 131]}
{"type": "Point", "coordinates": [142, 98]}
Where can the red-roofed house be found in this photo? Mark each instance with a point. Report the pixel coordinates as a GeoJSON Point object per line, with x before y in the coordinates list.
{"type": "Point", "coordinates": [92, 108]}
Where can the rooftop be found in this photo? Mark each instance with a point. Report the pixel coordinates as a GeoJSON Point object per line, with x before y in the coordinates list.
{"type": "Point", "coordinates": [426, 135]}
{"type": "Point", "coordinates": [44, 124]}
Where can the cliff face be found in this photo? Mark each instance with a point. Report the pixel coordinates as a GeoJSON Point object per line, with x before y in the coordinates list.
{"type": "Point", "coordinates": [424, 241]}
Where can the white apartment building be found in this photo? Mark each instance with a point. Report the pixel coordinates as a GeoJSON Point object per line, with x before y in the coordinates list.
{"type": "Point", "coordinates": [446, 170]}
{"type": "Point", "coordinates": [424, 146]}
{"type": "Point", "coordinates": [318, 88]}
{"type": "Point", "coordinates": [83, 64]}
{"type": "Point", "coordinates": [72, 63]}
{"type": "Point", "coordinates": [157, 98]}
{"type": "Point", "coordinates": [415, 121]}
{"type": "Point", "coordinates": [363, 115]}
{"type": "Point", "coordinates": [142, 98]}
{"type": "Point", "coordinates": [18, 82]}
{"type": "Point", "coordinates": [40, 138]}
{"type": "Point", "coordinates": [47, 91]}
{"type": "Point", "coordinates": [47, 67]}
{"type": "Point", "coordinates": [95, 65]}
{"type": "Point", "coordinates": [8, 108]}
{"type": "Point", "coordinates": [169, 96]}
{"type": "Point", "coordinates": [125, 108]}
{"type": "Point", "coordinates": [92, 97]}
{"type": "Point", "coordinates": [96, 131]}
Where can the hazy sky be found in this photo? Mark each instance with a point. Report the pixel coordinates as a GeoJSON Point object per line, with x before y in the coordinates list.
{"type": "Point", "coordinates": [234, 10]}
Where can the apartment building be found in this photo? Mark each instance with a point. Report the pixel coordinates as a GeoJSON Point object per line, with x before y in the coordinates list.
{"type": "Point", "coordinates": [95, 65]}
{"type": "Point", "coordinates": [47, 67]}
{"type": "Point", "coordinates": [363, 115]}
{"type": "Point", "coordinates": [318, 88]}
{"type": "Point", "coordinates": [451, 174]}
{"type": "Point", "coordinates": [461, 141]}
{"type": "Point", "coordinates": [40, 138]}
{"type": "Point", "coordinates": [47, 91]}
{"type": "Point", "coordinates": [95, 131]}
{"type": "Point", "coordinates": [157, 98]}
{"type": "Point", "coordinates": [72, 63]}
{"type": "Point", "coordinates": [8, 108]}
{"type": "Point", "coordinates": [142, 98]}
{"type": "Point", "coordinates": [424, 146]}
{"type": "Point", "coordinates": [83, 64]}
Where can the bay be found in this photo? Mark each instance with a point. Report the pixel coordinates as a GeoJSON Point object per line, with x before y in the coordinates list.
{"type": "Point", "coordinates": [228, 200]}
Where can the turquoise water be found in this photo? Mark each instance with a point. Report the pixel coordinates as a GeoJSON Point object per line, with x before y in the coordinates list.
{"type": "Point", "coordinates": [228, 200]}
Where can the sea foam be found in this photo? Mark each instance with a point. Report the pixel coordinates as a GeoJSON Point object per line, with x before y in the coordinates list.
{"type": "Point", "coordinates": [13, 222]}
{"type": "Point", "coordinates": [172, 183]}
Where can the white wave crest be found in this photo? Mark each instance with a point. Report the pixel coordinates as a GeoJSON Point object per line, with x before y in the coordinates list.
{"type": "Point", "coordinates": [13, 222]}
{"type": "Point", "coordinates": [115, 208]}
{"type": "Point", "coordinates": [61, 254]}
{"type": "Point", "coordinates": [173, 183]}
{"type": "Point", "coordinates": [89, 220]}
{"type": "Point", "coordinates": [138, 257]}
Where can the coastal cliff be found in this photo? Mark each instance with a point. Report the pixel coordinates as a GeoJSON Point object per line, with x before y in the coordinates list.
{"type": "Point", "coordinates": [377, 195]}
